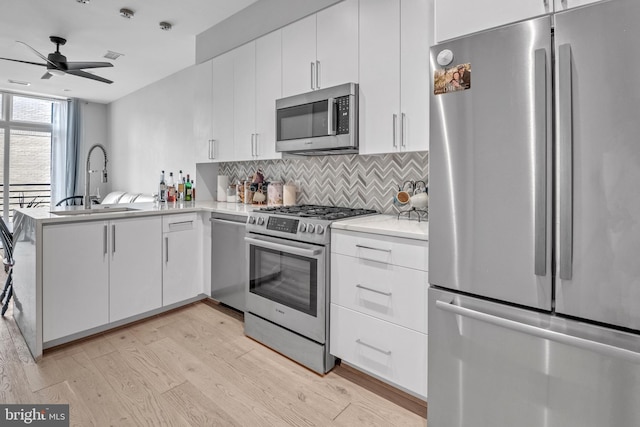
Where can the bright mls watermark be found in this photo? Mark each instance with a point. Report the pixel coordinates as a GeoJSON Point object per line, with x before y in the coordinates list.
{"type": "Point", "coordinates": [34, 415]}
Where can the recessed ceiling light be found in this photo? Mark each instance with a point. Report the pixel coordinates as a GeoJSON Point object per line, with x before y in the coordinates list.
{"type": "Point", "coordinates": [113, 55]}
{"type": "Point", "coordinates": [126, 13]}
{"type": "Point", "coordinates": [165, 26]}
{"type": "Point", "coordinates": [18, 82]}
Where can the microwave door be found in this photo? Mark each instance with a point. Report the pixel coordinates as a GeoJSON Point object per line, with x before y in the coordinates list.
{"type": "Point", "coordinates": [305, 121]}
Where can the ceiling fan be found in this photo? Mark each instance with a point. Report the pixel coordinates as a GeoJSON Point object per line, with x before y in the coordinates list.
{"type": "Point", "coordinates": [57, 64]}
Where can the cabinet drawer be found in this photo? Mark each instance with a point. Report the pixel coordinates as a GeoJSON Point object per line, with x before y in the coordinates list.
{"type": "Point", "coordinates": [391, 250]}
{"type": "Point", "coordinates": [392, 353]}
{"type": "Point", "coordinates": [386, 291]}
{"type": "Point", "coordinates": [179, 222]}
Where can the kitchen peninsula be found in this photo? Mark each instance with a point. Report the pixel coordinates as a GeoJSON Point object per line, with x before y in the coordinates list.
{"type": "Point", "coordinates": [79, 272]}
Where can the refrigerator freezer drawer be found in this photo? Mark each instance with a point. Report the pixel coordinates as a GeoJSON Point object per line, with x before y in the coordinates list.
{"type": "Point", "coordinates": [389, 352]}
{"type": "Point", "coordinates": [499, 366]}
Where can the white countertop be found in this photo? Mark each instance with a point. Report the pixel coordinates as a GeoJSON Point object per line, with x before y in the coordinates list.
{"type": "Point", "coordinates": [388, 225]}
{"type": "Point", "coordinates": [47, 215]}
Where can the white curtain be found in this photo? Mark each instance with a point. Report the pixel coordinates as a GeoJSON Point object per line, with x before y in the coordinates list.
{"type": "Point", "coordinates": [64, 149]}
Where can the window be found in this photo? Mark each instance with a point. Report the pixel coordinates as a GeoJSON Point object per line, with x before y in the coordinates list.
{"type": "Point", "coordinates": [25, 151]}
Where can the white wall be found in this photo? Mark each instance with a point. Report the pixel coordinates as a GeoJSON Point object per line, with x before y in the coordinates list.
{"type": "Point", "coordinates": [93, 117]}
{"type": "Point", "coordinates": [152, 130]}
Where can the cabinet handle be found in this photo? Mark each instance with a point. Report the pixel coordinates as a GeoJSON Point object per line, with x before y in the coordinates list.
{"type": "Point", "coordinates": [104, 240]}
{"type": "Point", "coordinates": [317, 74]}
{"type": "Point", "coordinates": [387, 352]}
{"type": "Point", "coordinates": [402, 120]}
{"type": "Point", "coordinates": [388, 294]}
{"type": "Point", "coordinates": [113, 239]}
{"type": "Point", "coordinates": [166, 250]}
{"type": "Point", "coordinates": [395, 130]}
{"type": "Point", "coordinates": [313, 72]}
{"type": "Point", "coordinates": [375, 249]}
{"type": "Point", "coordinates": [212, 149]}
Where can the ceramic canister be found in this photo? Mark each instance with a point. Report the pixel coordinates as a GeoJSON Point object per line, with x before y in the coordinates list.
{"type": "Point", "coordinates": [274, 193]}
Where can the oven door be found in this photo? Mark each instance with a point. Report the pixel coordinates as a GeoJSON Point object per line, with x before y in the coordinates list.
{"type": "Point", "coordinates": [287, 284]}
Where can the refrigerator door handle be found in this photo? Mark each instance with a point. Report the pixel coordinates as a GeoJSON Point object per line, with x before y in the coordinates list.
{"type": "Point", "coordinates": [540, 171]}
{"type": "Point", "coordinates": [594, 346]}
{"type": "Point", "coordinates": [565, 165]}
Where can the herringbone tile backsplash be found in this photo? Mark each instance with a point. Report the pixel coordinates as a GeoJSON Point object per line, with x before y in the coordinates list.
{"type": "Point", "coordinates": [354, 181]}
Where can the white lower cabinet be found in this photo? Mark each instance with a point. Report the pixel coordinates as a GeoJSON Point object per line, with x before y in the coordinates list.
{"type": "Point", "coordinates": [99, 272]}
{"type": "Point", "coordinates": [378, 320]}
{"type": "Point", "coordinates": [180, 279]}
{"type": "Point", "coordinates": [75, 278]}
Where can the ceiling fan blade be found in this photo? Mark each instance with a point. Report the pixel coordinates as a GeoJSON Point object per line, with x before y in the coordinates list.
{"type": "Point", "coordinates": [82, 65]}
{"type": "Point", "coordinates": [39, 54]}
{"type": "Point", "coordinates": [80, 73]}
{"type": "Point", "coordinates": [47, 75]}
{"type": "Point", "coordinates": [25, 62]}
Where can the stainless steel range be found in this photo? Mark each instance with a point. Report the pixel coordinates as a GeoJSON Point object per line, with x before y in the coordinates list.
{"type": "Point", "coordinates": [289, 254]}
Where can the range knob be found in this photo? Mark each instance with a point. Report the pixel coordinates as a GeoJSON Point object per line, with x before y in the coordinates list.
{"type": "Point", "coordinates": [303, 227]}
{"type": "Point", "coordinates": [319, 229]}
{"type": "Point", "coordinates": [310, 228]}
{"type": "Point", "coordinates": [260, 221]}
{"type": "Point", "coordinates": [252, 220]}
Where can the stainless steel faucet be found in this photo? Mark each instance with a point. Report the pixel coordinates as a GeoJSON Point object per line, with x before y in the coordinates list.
{"type": "Point", "coordinates": [87, 177]}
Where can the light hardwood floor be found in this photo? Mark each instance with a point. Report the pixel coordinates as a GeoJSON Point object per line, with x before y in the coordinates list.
{"type": "Point", "coordinates": [192, 366]}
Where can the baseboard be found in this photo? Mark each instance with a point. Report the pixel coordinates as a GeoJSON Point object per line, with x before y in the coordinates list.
{"type": "Point", "coordinates": [374, 385]}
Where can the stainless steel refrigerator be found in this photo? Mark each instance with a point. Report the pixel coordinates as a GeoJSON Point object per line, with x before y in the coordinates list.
{"type": "Point", "coordinates": [534, 223]}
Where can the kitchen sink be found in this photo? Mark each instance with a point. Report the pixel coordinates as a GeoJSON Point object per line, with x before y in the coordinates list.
{"type": "Point", "coordinates": [93, 210]}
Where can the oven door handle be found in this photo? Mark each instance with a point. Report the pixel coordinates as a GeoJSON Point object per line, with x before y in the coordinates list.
{"type": "Point", "coordinates": [284, 248]}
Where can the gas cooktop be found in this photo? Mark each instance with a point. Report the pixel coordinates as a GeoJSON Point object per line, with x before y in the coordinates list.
{"type": "Point", "coordinates": [329, 213]}
{"type": "Point", "coordinates": [306, 223]}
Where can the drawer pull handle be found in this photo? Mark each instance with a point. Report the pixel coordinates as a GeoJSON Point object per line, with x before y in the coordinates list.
{"type": "Point", "coordinates": [375, 249]}
{"type": "Point", "coordinates": [387, 352]}
{"type": "Point", "coordinates": [374, 290]}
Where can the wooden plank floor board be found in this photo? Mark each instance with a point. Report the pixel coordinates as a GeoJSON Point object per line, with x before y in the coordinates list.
{"type": "Point", "coordinates": [192, 366]}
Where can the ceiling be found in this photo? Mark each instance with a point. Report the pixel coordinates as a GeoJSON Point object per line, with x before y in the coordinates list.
{"type": "Point", "coordinates": [95, 27]}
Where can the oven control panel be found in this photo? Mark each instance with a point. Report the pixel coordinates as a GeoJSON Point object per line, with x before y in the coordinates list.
{"type": "Point", "coordinates": [285, 225]}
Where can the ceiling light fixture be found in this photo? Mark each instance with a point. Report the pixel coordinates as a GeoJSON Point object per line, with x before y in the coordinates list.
{"type": "Point", "coordinates": [112, 55]}
{"type": "Point", "coordinates": [165, 26]}
{"type": "Point", "coordinates": [126, 13]}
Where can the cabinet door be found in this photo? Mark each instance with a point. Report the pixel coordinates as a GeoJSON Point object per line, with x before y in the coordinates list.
{"type": "Point", "coordinates": [457, 18]}
{"type": "Point", "coordinates": [75, 271]}
{"type": "Point", "coordinates": [179, 256]}
{"type": "Point", "coordinates": [268, 89]}
{"type": "Point", "coordinates": [416, 37]}
{"type": "Point", "coordinates": [299, 56]}
{"type": "Point", "coordinates": [337, 44]}
{"type": "Point", "coordinates": [379, 75]}
{"type": "Point", "coordinates": [222, 107]}
{"type": "Point", "coordinates": [561, 5]}
{"type": "Point", "coordinates": [244, 101]}
{"type": "Point", "coordinates": [135, 284]}
{"type": "Point", "coordinates": [202, 124]}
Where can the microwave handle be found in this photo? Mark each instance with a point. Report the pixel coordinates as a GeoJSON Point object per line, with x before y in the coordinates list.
{"type": "Point", "coordinates": [331, 108]}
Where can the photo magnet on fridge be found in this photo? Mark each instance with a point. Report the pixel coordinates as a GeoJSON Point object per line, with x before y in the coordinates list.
{"type": "Point", "coordinates": [452, 79]}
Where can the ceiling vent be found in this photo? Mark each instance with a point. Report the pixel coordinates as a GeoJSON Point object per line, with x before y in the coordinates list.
{"type": "Point", "coordinates": [112, 55]}
{"type": "Point", "coordinates": [126, 13]}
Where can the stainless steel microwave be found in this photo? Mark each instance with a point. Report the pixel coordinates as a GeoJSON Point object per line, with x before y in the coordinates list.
{"type": "Point", "coordinates": [324, 121]}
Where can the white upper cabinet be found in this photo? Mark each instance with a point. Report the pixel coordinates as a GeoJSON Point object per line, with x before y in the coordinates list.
{"type": "Point", "coordinates": [457, 18]}
{"type": "Point", "coordinates": [395, 36]}
{"type": "Point", "coordinates": [202, 124]}
{"type": "Point", "coordinates": [222, 147]}
{"type": "Point", "coordinates": [337, 45]}
{"type": "Point", "coordinates": [321, 50]}
{"type": "Point", "coordinates": [244, 100]}
{"type": "Point", "coordinates": [268, 89]}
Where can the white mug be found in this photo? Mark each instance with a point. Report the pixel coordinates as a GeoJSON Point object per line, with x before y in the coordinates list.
{"type": "Point", "coordinates": [419, 201]}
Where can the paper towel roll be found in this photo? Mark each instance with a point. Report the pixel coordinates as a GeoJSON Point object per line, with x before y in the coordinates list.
{"type": "Point", "coordinates": [289, 195]}
{"type": "Point", "coordinates": [223, 183]}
